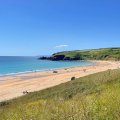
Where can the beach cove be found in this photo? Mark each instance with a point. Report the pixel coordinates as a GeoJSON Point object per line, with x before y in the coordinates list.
{"type": "Point", "coordinates": [14, 86]}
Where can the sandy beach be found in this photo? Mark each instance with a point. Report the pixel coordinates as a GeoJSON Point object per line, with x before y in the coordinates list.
{"type": "Point", "coordinates": [13, 86]}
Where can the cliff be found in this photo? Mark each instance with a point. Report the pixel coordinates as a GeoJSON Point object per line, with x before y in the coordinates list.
{"type": "Point", "coordinates": [93, 54]}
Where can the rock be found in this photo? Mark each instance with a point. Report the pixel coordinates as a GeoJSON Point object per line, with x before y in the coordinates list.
{"type": "Point", "coordinates": [55, 71]}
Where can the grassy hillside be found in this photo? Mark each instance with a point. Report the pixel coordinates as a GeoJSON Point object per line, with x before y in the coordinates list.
{"type": "Point", "coordinates": [94, 97]}
{"type": "Point", "coordinates": [95, 54]}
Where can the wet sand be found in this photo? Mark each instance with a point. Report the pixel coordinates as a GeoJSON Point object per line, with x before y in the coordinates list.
{"type": "Point", "coordinates": [13, 86]}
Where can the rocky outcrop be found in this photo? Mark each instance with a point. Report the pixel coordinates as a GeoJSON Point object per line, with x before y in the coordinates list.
{"type": "Point", "coordinates": [54, 58]}
{"type": "Point", "coordinates": [59, 57]}
{"type": "Point", "coordinates": [43, 58]}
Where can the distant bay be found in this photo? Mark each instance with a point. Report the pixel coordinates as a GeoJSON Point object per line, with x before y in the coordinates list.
{"type": "Point", "coordinates": [14, 65]}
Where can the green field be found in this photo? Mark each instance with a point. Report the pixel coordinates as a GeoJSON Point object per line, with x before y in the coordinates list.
{"type": "Point", "coordinates": [94, 97]}
{"type": "Point", "coordinates": [94, 54]}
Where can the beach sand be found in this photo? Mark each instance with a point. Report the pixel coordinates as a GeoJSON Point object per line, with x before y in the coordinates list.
{"type": "Point", "coordinates": [13, 86]}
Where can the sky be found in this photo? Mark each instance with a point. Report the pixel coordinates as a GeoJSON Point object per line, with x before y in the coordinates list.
{"type": "Point", "coordinates": [43, 27]}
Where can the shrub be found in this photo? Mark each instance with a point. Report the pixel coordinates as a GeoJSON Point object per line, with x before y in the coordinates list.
{"type": "Point", "coordinates": [4, 103]}
{"type": "Point", "coordinates": [73, 78]}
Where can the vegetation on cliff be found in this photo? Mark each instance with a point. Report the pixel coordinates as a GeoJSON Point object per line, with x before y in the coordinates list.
{"type": "Point", "coordinates": [95, 54]}
{"type": "Point", "coordinates": [94, 97]}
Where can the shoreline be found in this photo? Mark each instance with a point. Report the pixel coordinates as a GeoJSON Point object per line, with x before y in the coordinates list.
{"type": "Point", "coordinates": [32, 71]}
{"type": "Point", "coordinates": [13, 86]}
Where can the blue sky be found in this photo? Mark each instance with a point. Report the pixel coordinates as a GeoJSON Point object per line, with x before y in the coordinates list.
{"type": "Point", "coordinates": [42, 27]}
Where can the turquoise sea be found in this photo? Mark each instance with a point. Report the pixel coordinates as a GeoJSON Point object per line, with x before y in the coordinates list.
{"type": "Point", "coordinates": [14, 65]}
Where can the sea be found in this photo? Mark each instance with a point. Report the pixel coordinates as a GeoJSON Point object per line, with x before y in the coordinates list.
{"type": "Point", "coordinates": [10, 65]}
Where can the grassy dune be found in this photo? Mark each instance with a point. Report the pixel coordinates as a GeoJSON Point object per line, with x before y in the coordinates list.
{"type": "Point", "coordinates": [94, 97]}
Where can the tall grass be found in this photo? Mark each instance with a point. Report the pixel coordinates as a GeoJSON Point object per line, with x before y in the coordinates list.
{"type": "Point", "coordinates": [94, 97]}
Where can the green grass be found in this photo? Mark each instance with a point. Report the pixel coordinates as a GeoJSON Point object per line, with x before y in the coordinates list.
{"type": "Point", "coordinates": [94, 97]}
{"type": "Point", "coordinates": [94, 54]}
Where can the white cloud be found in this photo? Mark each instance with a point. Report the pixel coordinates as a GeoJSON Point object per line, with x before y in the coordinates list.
{"type": "Point", "coordinates": [61, 46]}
